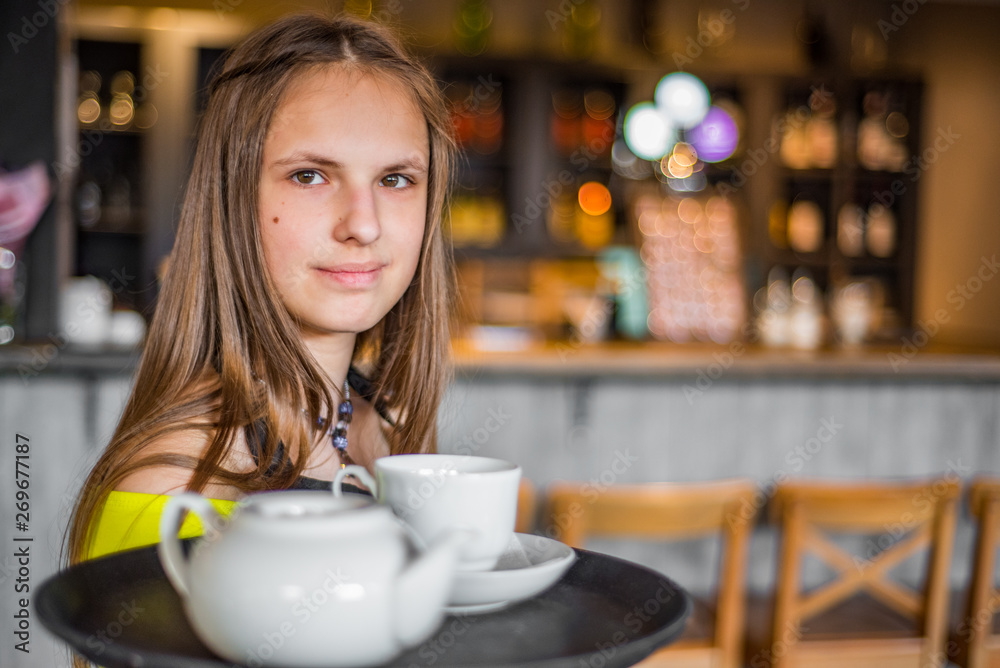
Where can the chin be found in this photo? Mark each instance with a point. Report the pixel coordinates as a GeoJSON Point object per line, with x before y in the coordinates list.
{"type": "Point", "coordinates": [353, 322]}
{"type": "Point", "coordinates": [343, 326]}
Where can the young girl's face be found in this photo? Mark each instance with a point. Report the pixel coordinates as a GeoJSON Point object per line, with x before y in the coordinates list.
{"type": "Point", "coordinates": [343, 197]}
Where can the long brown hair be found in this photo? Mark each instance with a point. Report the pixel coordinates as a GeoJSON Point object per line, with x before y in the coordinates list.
{"type": "Point", "coordinates": [222, 351]}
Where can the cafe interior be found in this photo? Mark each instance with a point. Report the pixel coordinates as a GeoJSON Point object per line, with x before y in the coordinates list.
{"type": "Point", "coordinates": [725, 288]}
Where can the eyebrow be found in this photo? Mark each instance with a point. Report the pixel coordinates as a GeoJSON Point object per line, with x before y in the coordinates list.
{"type": "Point", "coordinates": [413, 164]}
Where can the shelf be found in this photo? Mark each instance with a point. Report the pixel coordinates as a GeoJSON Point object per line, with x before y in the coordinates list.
{"type": "Point", "coordinates": [109, 188]}
{"type": "Point", "coordinates": [808, 174]}
{"type": "Point", "coordinates": [856, 101]}
{"type": "Point", "coordinates": [111, 130]}
{"type": "Point", "coordinates": [126, 232]}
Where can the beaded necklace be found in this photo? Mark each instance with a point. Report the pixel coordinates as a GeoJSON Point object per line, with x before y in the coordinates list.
{"type": "Point", "coordinates": [338, 431]}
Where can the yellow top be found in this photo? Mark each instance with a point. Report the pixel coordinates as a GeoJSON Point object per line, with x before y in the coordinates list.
{"type": "Point", "coordinates": [132, 519]}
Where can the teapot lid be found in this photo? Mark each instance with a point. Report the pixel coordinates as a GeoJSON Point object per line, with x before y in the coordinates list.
{"type": "Point", "coordinates": [295, 510]}
{"type": "Point", "coordinates": [301, 503]}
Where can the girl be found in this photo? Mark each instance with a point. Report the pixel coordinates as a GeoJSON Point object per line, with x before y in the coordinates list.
{"type": "Point", "coordinates": [302, 323]}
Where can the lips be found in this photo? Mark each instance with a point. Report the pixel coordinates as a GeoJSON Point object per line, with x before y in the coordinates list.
{"type": "Point", "coordinates": [353, 274]}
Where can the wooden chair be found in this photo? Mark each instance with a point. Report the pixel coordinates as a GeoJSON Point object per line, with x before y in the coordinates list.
{"type": "Point", "coordinates": [909, 517]}
{"type": "Point", "coordinates": [526, 507]}
{"type": "Point", "coordinates": [977, 636]}
{"type": "Point", "coordinates": [673, 511]}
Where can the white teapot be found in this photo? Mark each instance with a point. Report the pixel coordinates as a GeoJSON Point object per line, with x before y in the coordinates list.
{"type": "Point", "coordinates": [301, 578]}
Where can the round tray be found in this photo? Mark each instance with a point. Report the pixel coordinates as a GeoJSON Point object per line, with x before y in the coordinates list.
{"type": "Point", "coordinates": [120, 611]}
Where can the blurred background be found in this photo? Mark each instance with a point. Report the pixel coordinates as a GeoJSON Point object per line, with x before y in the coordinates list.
{"type": "Point", "coordinates": [821, 177]}
{"type": "Point", "coordinates": [695, 239]}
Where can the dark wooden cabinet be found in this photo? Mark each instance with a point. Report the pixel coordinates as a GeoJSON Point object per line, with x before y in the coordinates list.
{"type": "Point", "coordinates": [108, 209]}
{"type": "Point", "coordinates": [864, 187]}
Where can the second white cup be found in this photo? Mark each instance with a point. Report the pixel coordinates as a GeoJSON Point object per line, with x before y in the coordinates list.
{"type": "Point", "coordinates": [435, 494]}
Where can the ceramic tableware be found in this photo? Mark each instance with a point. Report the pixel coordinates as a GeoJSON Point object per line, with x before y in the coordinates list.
{"type": "Point", "coordinates": [530, 565]}
{"type": "Point", "coordinates": [298, 578]}
{"type": "Point", "coordinates": [435, 494]}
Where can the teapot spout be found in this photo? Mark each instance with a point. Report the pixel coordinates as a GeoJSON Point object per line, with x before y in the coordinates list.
{"type": "Point", "coordinates": [422, 590]}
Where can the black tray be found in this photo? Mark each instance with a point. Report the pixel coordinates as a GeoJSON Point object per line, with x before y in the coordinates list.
{"type": "Point", "coordinates": [120, 611]}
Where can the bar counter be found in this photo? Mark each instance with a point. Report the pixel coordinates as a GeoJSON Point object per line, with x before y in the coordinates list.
{"type": "Point", "coordinates": [606, 414]}
{"type": "Point", "coordinates": [736, 359]}
{"type": "Point", "coordinates": [622, 359]}
{"type": "Point", "coordinates": [636, 413]}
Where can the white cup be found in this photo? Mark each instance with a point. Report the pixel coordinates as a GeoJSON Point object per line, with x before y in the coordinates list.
{"type": "Point", "coordinates": [436, 494]}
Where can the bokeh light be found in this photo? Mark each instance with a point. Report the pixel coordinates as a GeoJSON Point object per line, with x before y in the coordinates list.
{"type": "Point", "coordinates": [599, 104]}
{"type": "Point", "coordinates": [716, 137]}
{"type": "Point", "coordinates": [122, 110]}
{"type": "Point", "coordinates": [648, 132]}
{"type": "Point", "coordinates": [690, 246]}
{"type": "Point", "coordinates": [683, 97]}
{"type": "Point", "coordinates": [88, 110]}
{"type": "Point", "coordinates": [594, 198]}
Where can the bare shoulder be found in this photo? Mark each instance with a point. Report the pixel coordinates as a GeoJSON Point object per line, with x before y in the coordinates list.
{"type": "Point", "coordinates": [167, 479]}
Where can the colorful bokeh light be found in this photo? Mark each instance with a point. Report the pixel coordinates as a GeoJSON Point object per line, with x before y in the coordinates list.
{"type": "Point", "coordinates": [716, 137]}
{"type": "Point", "coordinates": [683, 98]}
{"type": "Point", "coordinates": [648, 132]}
{"type": "Point", "coordinates": [594, 198]}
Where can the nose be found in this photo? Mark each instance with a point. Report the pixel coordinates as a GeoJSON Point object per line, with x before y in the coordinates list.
{"type": "Point", "coordinates": [358, 221]}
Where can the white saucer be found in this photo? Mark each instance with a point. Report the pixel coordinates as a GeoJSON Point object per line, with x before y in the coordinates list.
{"type": "Point", "coordinates": [530, 565]}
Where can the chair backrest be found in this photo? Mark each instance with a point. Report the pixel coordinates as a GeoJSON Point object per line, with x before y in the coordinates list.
{"type": "Point", "coordinates": [672, 511]}
{"type": "Point", "coordinates": [918, 515]}
{"type": "Point", "coordinates": [975, 632]}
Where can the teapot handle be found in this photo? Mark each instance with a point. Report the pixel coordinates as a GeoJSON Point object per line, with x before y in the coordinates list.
{"type": "Point", "coordinates": [175, 564]}
{"type": "Point", "coordinates": [361, 472]}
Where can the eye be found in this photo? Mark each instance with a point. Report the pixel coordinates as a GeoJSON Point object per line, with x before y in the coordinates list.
{"type": "Point", "coordinates": [308, 177]}
{"type": "Point", "coordinates": [396, 181]}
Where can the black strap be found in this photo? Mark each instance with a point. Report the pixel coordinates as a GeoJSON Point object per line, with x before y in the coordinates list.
{"type": "Point", "coordinates": [367, 390]}
{"type": "Point", "coordinates": [256, 435]}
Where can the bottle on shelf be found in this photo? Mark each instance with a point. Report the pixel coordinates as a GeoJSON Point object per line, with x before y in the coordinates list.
{"type": "Point", "coordinates": [851, 230]}
{"type": "Point", "coordinates": [880, 232]}
{"type": "Point", "coordinates": [882, 134]}
{"type": "Point", "coordinates": [808, 134]}
{"type": "Point", "coordinates": [805, 226]}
